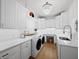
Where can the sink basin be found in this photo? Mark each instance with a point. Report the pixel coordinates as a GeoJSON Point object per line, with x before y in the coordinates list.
{"type": "Point", "coordinates": [69, 42]}
{"type": "Point", "coordinates": [64, 38]}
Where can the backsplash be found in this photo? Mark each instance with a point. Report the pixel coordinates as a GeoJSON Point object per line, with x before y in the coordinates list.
{"type": "Point", "coordinates": [9, 34]}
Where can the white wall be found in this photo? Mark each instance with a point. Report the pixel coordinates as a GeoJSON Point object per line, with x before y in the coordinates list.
{"type": "Point", "coordinates": [49, 23]}
{"type": "Point", "coordinates": [73, 15]}
{"type": "Point", "coordinates": [9, 34]}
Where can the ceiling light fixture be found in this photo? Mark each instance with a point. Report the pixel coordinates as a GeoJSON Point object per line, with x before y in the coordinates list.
{"type": "Point", "coordinates": [46, 8]}
{"type": "Point", "coordinates": [47, 3]}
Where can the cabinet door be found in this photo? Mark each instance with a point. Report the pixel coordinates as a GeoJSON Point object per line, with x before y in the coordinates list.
{"type": "Point", "coordinates": [26, 50]}
{"type": "Point", "coordinates": [8, 13]}
{"type": "Point", "coordinates": [29, 48]}
{"type": "Point", "coordinates": [14, 56]}
{"type": "Point", "coordinates": [4, 55]}
{"type": "Point", "coordinates": [22, 2]}
{"type": "Point", "coordinates": [3, 13]}
{"type": "Point", "coordinates": [14, 53]}
{"type": "Point", "coordinates": [69, 52]}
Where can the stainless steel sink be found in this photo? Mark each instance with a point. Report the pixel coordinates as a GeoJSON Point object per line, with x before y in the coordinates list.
{"type": "Point", "coordinates": [64, 38]}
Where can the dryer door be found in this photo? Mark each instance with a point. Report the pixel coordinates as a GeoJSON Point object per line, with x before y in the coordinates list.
{"type": "Point", "coordinates": [43, 40]}
{"type": "Point", "coordinates": [38, 45]}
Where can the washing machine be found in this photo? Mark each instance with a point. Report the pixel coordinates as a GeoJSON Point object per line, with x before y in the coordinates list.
{"type": "Point", "coordinates": [43, 39]}
{"type": "Point", "coordinates": [37, 44]}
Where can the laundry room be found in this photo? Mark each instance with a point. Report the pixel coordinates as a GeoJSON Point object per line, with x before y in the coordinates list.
{"type": "Point", "coordinates": [38, 29]}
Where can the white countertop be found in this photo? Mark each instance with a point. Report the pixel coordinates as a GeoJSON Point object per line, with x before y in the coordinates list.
{"type": "Point", "coordinates": [71, 43]}
{"type": "Point", "coordinates": [11, 43]}
{"type": "Point", "coordinates": [59, 33]}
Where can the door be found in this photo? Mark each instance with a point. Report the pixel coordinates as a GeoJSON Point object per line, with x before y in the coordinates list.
{"type": "Point", "coordinates": [38, 45]}
{"type": "Point", "coordinates": [14, 53]}
{"type": "Point", "coordinates": [26, 50]}
{"type": "Point", "coordinates": [5, 56]}
{"type": "Point", "coordinates": [8, 13]}
{"type": "Point", "coordinates": [68, 52]}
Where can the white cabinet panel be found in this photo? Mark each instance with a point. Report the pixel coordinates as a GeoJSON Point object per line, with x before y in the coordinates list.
{"type": "Point", "coordinates": [8, 13]}
{"type": "Point", "coordinates": [4, 54]}
{"type": "Point", "coordinates": [26, 50]}
{"type": "Point", "coordinates": [68, 52]}
{"type": "Point", "coordinates": [22, 2]}
{"type": "Point", "coordinates": [0, 13]}
{"type": "Point", "coordinates": [13, 14]}
{"type": "Point", "coordinates": [13, 53]}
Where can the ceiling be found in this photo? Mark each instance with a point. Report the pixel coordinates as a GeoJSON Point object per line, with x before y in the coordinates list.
{"type": "Point", "coordinates": [36, 6]}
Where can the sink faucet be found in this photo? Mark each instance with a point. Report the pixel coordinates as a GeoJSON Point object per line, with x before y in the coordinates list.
{"type": "Point", "coordinates": [68, 26]}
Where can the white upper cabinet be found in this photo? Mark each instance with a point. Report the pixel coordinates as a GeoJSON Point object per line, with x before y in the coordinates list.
{"type": "Point", "coordinates": [22, 2]}
{"type": "Point", "coordinates": [8, 13]}
{"type": "Point", "coordinates": [13, 14]}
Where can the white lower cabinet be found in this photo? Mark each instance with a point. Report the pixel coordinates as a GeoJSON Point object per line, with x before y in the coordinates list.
{"type": "Point", "coordinates": [67, 52]}
{"type": "Point", "coordinates": [13, 53]}
{"type": "Point", "coordinates": [22, 51]}
{"type": "Point", "coordinates": [26, 50]}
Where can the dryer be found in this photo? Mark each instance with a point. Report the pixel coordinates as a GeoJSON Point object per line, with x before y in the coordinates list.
{"type": "Point", "coordinates": [37, 44]}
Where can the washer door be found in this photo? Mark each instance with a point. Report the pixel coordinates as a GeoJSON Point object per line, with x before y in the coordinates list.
{"type": "Point", "coordinates": [43, 40]}
{"type": "Point", "coordinates": [38, 45]}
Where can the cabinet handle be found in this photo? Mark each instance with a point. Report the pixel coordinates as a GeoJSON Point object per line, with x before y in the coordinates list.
{"type": "Point", "coordinates": [5, 55]}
